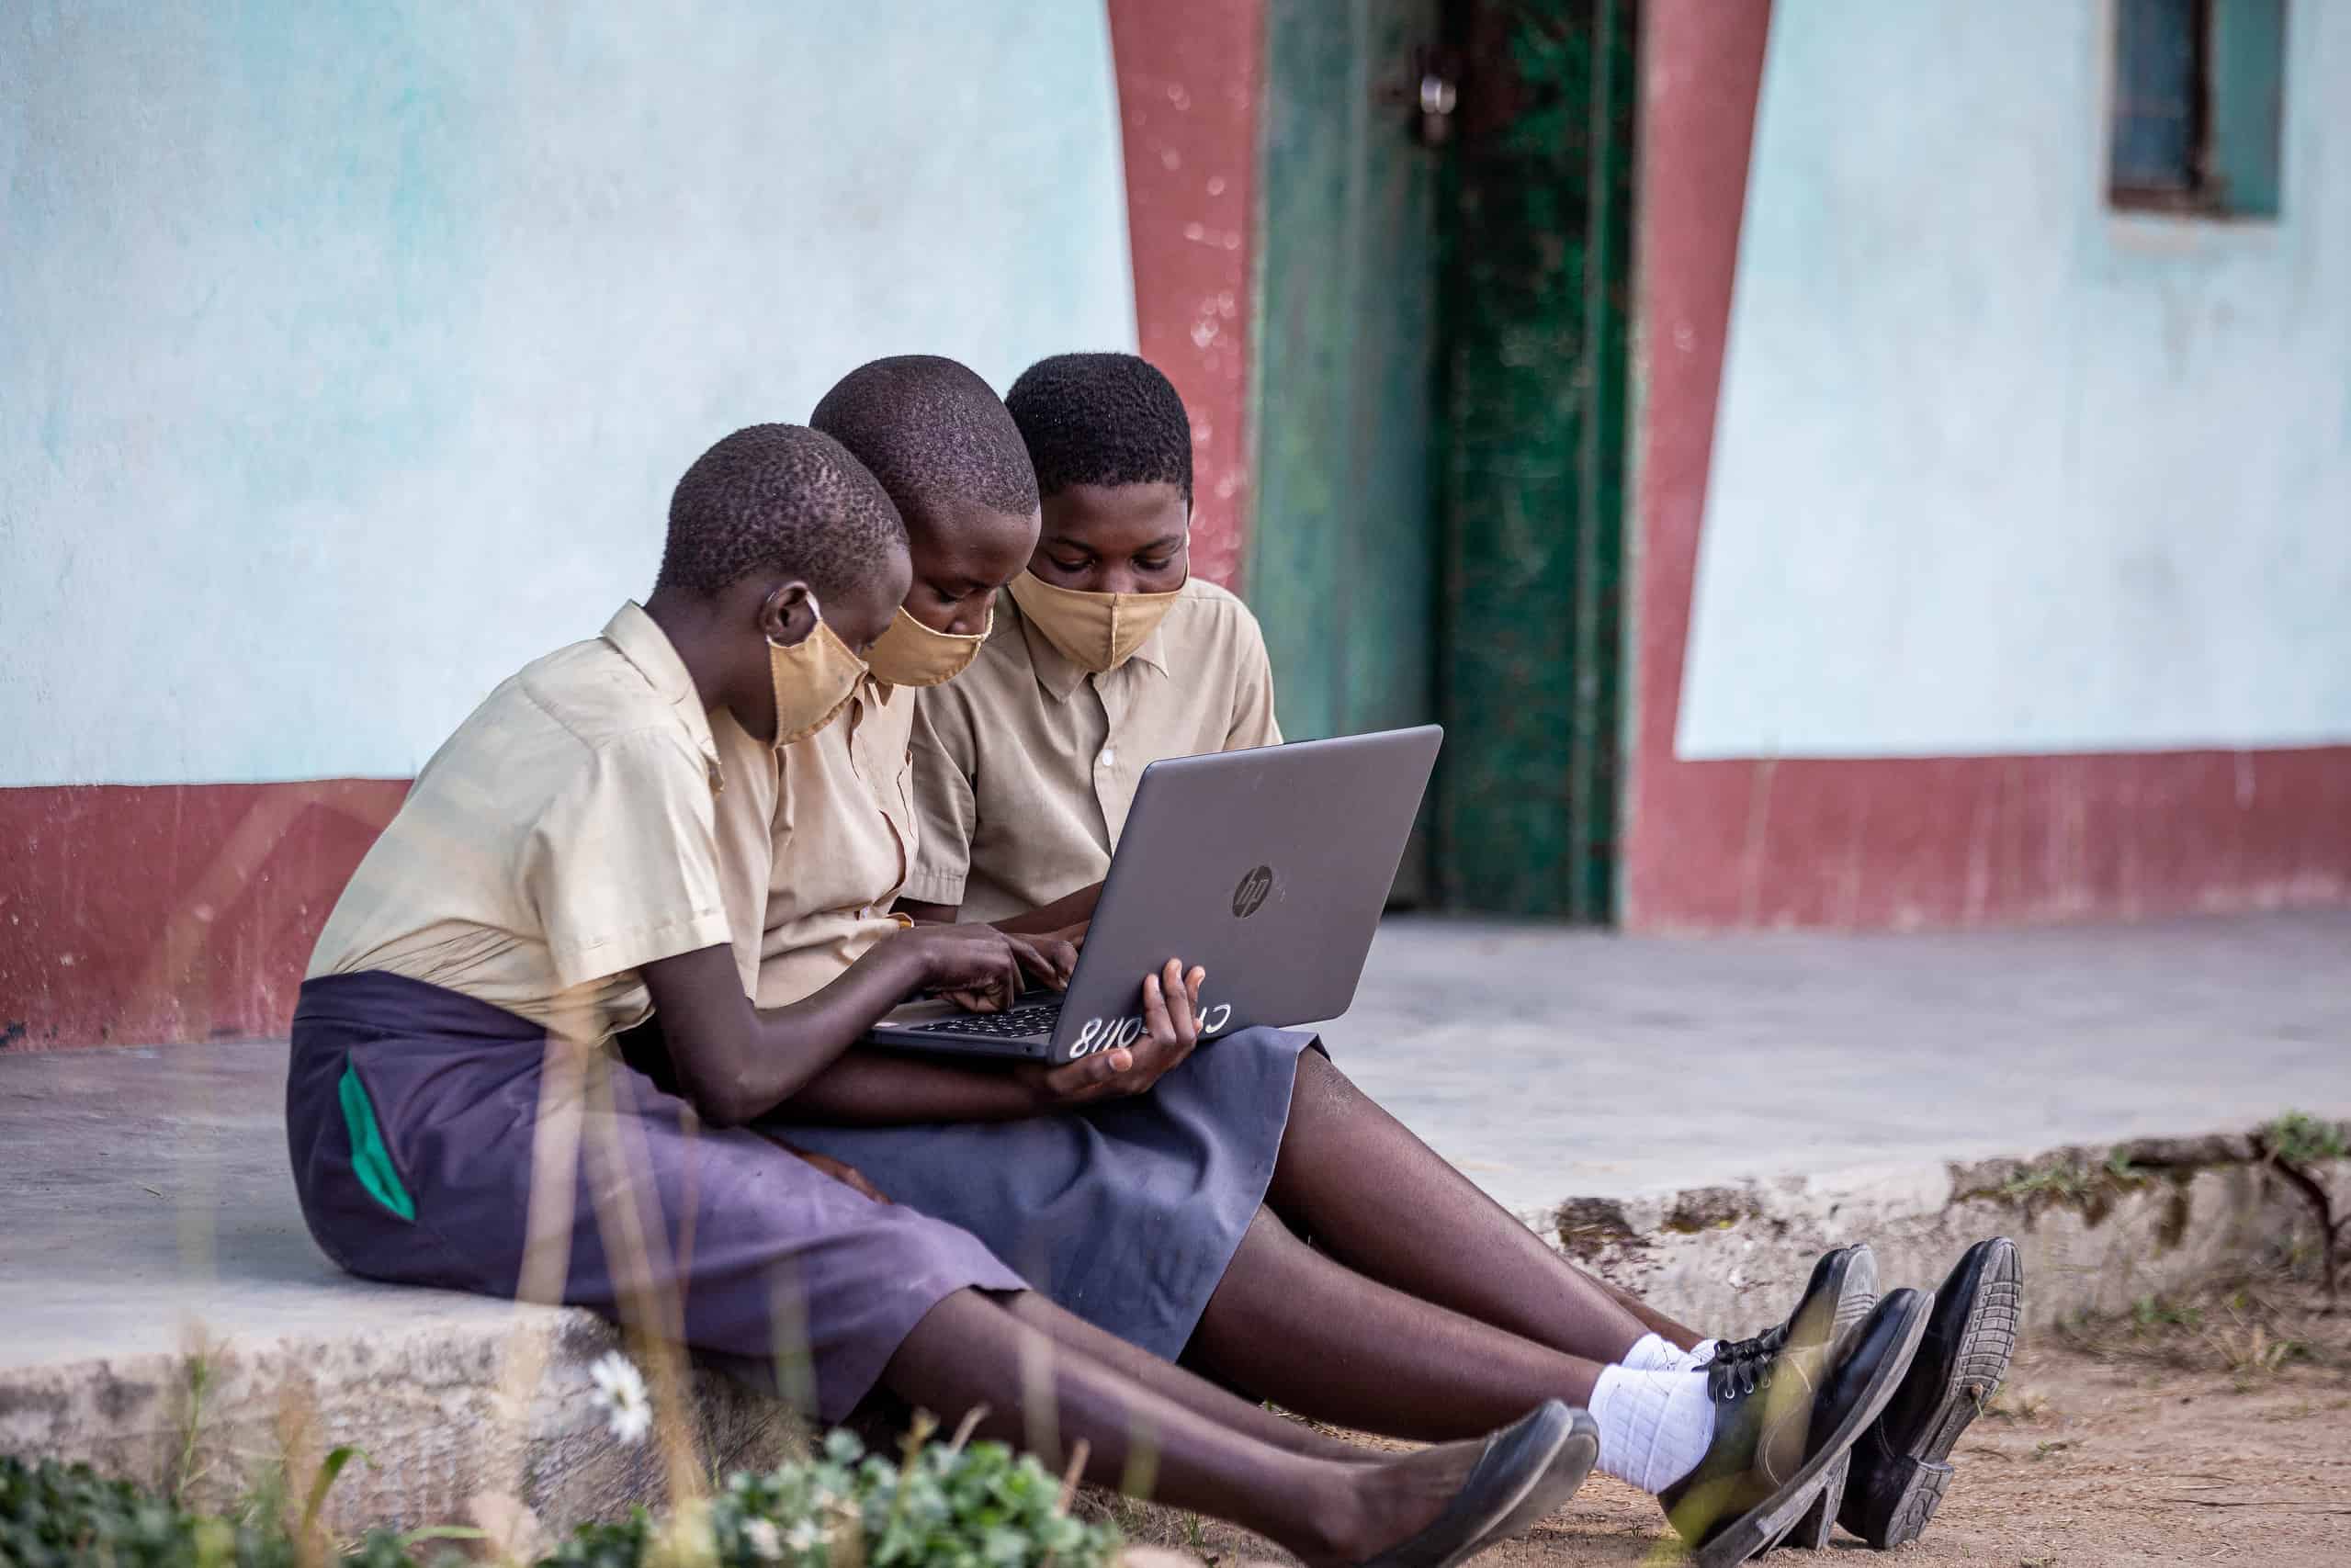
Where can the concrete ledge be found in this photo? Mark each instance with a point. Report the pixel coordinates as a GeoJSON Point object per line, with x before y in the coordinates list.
{"type": "Point", "coordinates": [428, 1402]}
{"type": "Point", "coordinates": [2099, 1227]}
{"type": "Point", "coordinates": [428, 1399]}
{"type": "Point", "coordinates": [143, 1197]}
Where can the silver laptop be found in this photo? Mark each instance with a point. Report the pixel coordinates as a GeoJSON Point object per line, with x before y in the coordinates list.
{"type": "Point", "coordinates": [1268, 868]}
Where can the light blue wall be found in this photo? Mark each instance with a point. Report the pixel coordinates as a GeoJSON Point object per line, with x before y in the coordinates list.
{"type": "Point", "coordinates": [349, 353]}
{"type": "Point", "coordinates": [1997, 469]}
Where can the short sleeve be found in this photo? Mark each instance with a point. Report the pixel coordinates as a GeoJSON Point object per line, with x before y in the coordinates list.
{"type": "Point", "coordinates": [1253, 722]}
{"type": "Point", "coordinates": [624, 867]}
{"type": "Point", "coordinates": [946, 813]}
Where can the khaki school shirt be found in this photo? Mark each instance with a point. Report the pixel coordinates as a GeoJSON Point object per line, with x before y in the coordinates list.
{"type": "Point", "coordinates": [561, 839]}
{"type": "Point", "coordinates": [815, 850]}
{"type": "Point", "coordinates": [1024, 764]}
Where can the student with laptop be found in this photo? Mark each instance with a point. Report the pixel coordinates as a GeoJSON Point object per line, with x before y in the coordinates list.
{"type": "Point", "coordinates": [1174, 1214]}
{"type": "Point", "coordinates": [761, 537]}
{"type": "Point", "coordinates": [554, 877]}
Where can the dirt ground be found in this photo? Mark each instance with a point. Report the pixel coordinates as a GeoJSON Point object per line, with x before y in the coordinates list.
{"type": "Point", "coordinates": [2214, 1431]}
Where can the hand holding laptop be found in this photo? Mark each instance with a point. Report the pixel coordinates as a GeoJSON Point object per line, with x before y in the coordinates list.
{"type": "Point", "coordinates": [1171, 1030]}
{"type": "Point", "coordinates": [1269, 865]}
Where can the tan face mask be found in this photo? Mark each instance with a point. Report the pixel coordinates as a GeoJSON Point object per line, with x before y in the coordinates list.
{"type": "Point", "coordinates": [814, 677]}
{"type": "Point", "coordinates": [912, 654]}
{"type": "Point", "coordinates": [1096, 631]}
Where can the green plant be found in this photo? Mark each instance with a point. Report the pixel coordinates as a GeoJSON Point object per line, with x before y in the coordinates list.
{"type": "Point", "coordinates": [54, 1516]}
{"type": "Point", "coordinates": [2157, 1312]}
{"type": "Point", "coordinates": [2052, 1180]}
{"type": "Point", "coordinates": [941, 1505]}
{"type": "Point", "coordinates": [2304, 1139]}
{"type": "Point", "coordinates": [973, 1506]}
{"type": "Point", "coordinates": [185, 1473]}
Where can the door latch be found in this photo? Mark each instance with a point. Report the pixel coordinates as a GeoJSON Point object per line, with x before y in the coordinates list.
{"type": "Point", "coordinates": [1427, 93]}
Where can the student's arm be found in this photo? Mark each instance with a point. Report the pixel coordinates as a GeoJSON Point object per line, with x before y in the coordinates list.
{"type": "Point", "coordinates": [876, 1089]}
{"type": "Point", "coordinates": [736, 1063]}
{"type": "Point", "coordinates": [1057, 918]}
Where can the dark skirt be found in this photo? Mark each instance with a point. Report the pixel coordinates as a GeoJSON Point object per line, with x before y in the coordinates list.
{"type": "Point", "coordinates": [1126, 1213]}
{"type": "Point", "coordinates": [410, 1112]}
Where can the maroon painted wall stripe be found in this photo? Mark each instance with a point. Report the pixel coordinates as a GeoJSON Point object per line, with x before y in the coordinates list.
{"type": "Point", "coordinates": [1879, 843]}
{"type": "Point", "coordinates": [1187, 95]}
{"type": "Point", "coordinates": [172, 912]}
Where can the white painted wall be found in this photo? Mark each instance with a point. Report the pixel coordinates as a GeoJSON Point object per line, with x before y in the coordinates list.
{"type": "Point", "coordinates": [1997, 470]}
{"type": "Point", "coordinates": [348, 355]}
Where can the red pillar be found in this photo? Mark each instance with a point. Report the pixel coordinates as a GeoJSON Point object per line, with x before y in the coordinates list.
{"type": "Point", "coordinates": [1187, 79]}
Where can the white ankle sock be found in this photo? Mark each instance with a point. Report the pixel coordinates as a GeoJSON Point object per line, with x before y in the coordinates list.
{"type": "Point", "coordinates": [1652, 1354]}
{"type": "Point", "coordinates": [1653, 1426]}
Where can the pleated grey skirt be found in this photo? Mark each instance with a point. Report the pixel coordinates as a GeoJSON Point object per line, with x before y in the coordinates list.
{"type": "Point", "coordinates": [1126, 1213]}
{"type": "Point", "coordinates": [410, 1116]}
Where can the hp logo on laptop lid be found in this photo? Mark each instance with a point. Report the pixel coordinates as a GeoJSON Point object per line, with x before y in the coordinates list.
{"type": "Point", "coordinates": [1250, 896]}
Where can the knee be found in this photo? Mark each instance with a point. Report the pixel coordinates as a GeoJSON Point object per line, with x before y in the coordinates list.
{"type": "Point", "coordinates": [1321, 1084]}
{"type": "Point", "coordinates": [1268, 1235]}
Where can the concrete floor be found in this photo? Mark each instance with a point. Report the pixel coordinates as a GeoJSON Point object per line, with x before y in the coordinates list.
{"type": "Point", "coordinates": [140, 1189]}
{"type": "Point", "coordinates": [1550, 1064]}
{"type": "Point", "coordinates": [144, 1191]}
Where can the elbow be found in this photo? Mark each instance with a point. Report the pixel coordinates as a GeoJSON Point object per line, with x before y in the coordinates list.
{"type": "Point", "coordinates": [725, 1100]}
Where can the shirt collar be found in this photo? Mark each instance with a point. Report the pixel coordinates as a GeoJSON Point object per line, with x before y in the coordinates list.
{"type": "Point", "coordinates": [641, 641]}
{"type": "Point", "coordinates": [1056, 671]}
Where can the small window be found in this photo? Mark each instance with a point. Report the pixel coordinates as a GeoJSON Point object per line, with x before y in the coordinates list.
{"type": "Point", "coordinates": [2198, 98]}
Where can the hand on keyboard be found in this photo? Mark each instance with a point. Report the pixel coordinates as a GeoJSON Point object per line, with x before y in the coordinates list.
{"type": "Point", "coordinates": [1171, 1028]}
{"type": "Point", "coordinates": [981, 969]}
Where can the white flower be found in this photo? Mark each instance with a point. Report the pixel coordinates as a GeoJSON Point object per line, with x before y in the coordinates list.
{"type": "Point", "coordinates": [804, 1536]}
{"type": "Point", "coordinates": [620, 1393]}
{"type": "Point", "coordinates": [761, 1537]}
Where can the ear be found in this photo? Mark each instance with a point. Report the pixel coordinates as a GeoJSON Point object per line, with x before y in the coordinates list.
{"type": "Point", "coordinates": [788, 613]}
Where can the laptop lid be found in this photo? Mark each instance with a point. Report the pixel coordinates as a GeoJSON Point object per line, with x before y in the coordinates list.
{"type": "Point", "coordinates": [1268, 868]}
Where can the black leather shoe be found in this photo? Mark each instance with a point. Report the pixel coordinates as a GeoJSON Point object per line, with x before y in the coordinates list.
{"type": "Point", "coordinates": [1848, 1275]}
{"type": "Point", "coordinates": [1528, 1469]}
{"type": "Point", "coordinates": [1782, 1424]}
{"type": "Point", "coordinates": [1569, 1469]}
{"type": "Point", "coordinates": [1899, 1470]}
{"type": "Point", "coordinates": [1845, 1275]}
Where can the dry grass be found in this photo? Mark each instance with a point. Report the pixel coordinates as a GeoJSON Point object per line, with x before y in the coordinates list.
{"type": "Point", "coordinates": [2252, 1328]}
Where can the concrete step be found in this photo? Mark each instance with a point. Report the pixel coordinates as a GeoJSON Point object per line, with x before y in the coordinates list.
{"type": "Point", "coordinates": [166, 1315]}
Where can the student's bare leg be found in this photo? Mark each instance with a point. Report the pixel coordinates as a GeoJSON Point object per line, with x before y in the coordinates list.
{"type": "Point", "coordinates": [1168, 1381]}
{"type": "Point", "coordinates": [1381, 1201]}
{"type": "Point", "coordinates": [1291, 1325]}
{"type": "Point", "coordinates": [971, 1352]}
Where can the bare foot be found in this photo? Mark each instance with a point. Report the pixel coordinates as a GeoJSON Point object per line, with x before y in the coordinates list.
{"type": "Point", "coordinates": [1390, 1501]}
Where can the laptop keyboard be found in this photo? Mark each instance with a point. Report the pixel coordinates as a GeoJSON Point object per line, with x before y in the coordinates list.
{"type": "Point", "coordinates": [1037, 1018]}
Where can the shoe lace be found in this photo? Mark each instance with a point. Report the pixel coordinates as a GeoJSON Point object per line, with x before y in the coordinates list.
{"type": "Point", "coordinates": [1761, 1348]}
{"type": "Point", "coordinates": [1731, 1378]}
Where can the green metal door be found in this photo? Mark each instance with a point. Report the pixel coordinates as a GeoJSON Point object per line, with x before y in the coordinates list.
{"type": "Point", "coordinates": [1439, 416]}
{"type": "Point", "coordinates": [1537, 286]}
{"type": "Point", "coordinates": [1343, 559]}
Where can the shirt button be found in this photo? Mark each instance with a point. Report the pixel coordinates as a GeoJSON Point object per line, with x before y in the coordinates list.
{"type": "Point", "coordinates": [1109, 759]}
